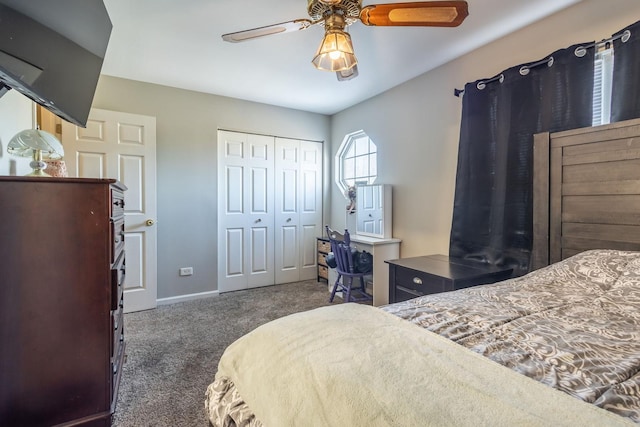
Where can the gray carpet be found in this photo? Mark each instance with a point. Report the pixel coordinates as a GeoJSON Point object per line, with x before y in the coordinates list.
{"type": "Point", "coordinates": [173, 351]}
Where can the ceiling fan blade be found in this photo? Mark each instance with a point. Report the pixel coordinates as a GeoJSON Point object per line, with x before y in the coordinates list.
{"type": "Point", "coordinates": [349, 74]}
{"type": "Point", "coordinates": [420, 14]}
{"type": "Point", "coordinates": [284, 27]}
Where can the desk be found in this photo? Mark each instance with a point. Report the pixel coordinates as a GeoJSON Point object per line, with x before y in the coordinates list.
{"type": "Point", "coordinates": [382, 250]}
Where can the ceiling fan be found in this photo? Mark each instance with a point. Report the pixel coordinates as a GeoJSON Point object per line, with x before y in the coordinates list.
{"type": "Point", "coordinates": [336, 50]}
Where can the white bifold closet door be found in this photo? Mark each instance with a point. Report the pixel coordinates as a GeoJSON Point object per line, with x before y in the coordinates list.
{"type": "Point", "coordinates": [267, 191]}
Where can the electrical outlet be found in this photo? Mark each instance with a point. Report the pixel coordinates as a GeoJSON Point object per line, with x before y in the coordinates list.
{"type": "Point", "coordinates": [186, 271]}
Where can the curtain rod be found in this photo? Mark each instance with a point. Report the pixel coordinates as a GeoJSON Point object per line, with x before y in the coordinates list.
{"type": "Point", "coordinates": [579, 52]}
{"type": "Point", "coordinates": [524, 70]}
{"type": "Point", "coordinates": [582, 50]}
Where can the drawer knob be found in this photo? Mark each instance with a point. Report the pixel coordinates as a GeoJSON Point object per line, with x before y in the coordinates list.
{"type": "Point", "coordinates": [417, 281]}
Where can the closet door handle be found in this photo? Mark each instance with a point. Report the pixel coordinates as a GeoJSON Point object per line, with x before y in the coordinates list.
{"type": "Point", "coordinates": [258, 220]}
{"type": "Point", "coordinates": [288, 219]}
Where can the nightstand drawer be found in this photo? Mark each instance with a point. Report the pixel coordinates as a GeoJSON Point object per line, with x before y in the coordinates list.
{"type": "Point", "coordinates": [418, 283]}
{"type": "Point", "coordinates": [324, 246]}
{"type": "Point", "coordinates": [322, 259]}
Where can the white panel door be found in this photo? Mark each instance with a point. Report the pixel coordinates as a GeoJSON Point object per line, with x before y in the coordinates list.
{"type": "Point", "coordinates": [310, 196]}
{"type": "Point", "coordinates": [298, 205]}
{"type": "Point", "coordinates": [245, 211]}
{"type": "Point", "coordinates": [287, 217]}
{"type": "Point", "coordinates": [123, 146]}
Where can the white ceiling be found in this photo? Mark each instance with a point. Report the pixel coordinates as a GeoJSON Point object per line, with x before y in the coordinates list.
{"type": "Point", "coordinates": [177, 43]}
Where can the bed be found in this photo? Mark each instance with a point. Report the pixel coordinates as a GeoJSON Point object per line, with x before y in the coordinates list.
{"type": "Point", "coordinates": [559, 346]}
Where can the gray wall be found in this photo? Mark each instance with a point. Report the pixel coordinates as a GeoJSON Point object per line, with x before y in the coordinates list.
{"type": "Point", "coordinates": [416, 125]}
{"type": "Point", "coordinates": [187, 124]}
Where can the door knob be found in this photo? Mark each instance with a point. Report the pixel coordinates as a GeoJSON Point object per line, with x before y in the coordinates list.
{"type": "Point", "coordinates": [150, 222]}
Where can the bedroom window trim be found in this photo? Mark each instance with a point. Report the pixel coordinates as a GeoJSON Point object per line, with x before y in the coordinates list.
{"type": "Point", "coordinates": [356, 161]}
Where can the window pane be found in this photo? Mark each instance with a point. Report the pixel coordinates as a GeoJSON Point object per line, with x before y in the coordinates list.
{"type": "Point", "coordinates": [373, 165]}
{"type": "Point", "coordinates": [362, 146]}
{"type": "Point", "coordinates": [348, 169]}
{"type": "Point", "coordinates": [362, 166]}
{"type": "Point", "coordinates": [372, 147]}
{"type": "Point", "coordinates": [351, 150]}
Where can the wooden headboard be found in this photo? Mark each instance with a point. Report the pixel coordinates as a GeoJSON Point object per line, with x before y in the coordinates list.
{"type": "Point", "coordinates": [586, 191]}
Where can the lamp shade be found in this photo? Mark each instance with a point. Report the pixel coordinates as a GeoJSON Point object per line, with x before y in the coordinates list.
{"type": "Point", "coordinates": [335, 52]}
{"type": "Point", "coordinates": [349, 74]}
{"type": "Point", "coordinates": [37, 144]}
{"type": "Point", "coordinates": [25, 142]}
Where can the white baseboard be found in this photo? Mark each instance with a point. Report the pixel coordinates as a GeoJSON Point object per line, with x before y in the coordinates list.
{"type": "Point", "coordinates": [189, 297]}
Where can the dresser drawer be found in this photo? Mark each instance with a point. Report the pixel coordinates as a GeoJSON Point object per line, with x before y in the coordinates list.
{"type": "Point", "coordinates": [117, 320]}
{"type": "Point", "coordinates": [324, 246]}
{"type": "Point", "coordinates": [418, 283]}
{"type": "Point", "coordinates": [117, 203]}
{"type": "Point", "coordinates": [117, 281]}
{"type": "Point", "coordinates": [117, 238]}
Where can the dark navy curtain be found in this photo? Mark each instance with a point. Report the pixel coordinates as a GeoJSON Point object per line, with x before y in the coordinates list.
{"type": "Point", "coordinates": [625, 91]}
{"type": "Point", "coordinates": [493, 206]}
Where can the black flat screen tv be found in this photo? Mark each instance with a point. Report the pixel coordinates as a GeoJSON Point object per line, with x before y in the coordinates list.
{"type": "Point", "coordinates": [52, 51]}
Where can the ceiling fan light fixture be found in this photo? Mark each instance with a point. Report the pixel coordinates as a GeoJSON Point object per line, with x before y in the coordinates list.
{"type": "Point", "coordinates": [335, 52]}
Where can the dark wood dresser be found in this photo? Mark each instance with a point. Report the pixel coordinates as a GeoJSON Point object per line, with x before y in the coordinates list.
{"type": "Point", "coordinates": [62, 267]}
{"type": "Point", "coordinates": [415, 277]}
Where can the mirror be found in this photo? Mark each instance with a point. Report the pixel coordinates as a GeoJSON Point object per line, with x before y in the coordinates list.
{"type": "Point", "coordinates": [373, 210]}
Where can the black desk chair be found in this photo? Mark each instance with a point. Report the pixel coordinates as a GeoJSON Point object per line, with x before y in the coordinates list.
{"type": "Point", "coordinates": [343, 254]}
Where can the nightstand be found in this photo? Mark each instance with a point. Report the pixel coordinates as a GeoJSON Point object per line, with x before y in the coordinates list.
{"type": "Point", "coordinates": [424, 275]}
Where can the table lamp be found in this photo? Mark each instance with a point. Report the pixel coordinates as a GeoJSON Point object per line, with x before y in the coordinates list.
{"type": "Point", "coordinates": [36, 143]}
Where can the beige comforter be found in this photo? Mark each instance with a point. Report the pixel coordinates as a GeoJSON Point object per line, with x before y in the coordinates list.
{"type": "Point", "coordinates": [319, 368]}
